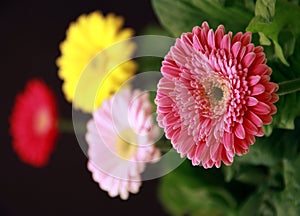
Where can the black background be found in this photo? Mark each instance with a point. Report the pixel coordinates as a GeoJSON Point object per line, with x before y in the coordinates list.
{"type": "Point", "coordinates": [29, 44]}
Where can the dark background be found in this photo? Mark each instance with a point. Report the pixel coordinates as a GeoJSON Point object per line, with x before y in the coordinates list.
{"type": "Point", "coordinates": [29, 44]}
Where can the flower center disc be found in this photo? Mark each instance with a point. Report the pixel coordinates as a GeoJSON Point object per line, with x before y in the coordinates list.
{"type": "Point", "coordinates": [212, 95]}
{"type": "Point", "coordinates": [217, 94]}
{"type": "Point", "coordinates": [126, 143]}
{"type": "Point", "coordinates": [42, 122]}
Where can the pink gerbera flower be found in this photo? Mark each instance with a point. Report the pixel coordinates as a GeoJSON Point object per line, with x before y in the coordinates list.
{"type": "Point", "coordinates": [33, 124]}
{"type": "Point", "coordinates": [215, 95]}
{"type": "Point", "coordinates": [120, 141]}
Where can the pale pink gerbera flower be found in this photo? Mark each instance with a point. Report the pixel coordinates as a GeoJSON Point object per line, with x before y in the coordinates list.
{"type": "Point", "coordinates": [215, 95]}
{"type": "Point", "coordinates": [120, 141]}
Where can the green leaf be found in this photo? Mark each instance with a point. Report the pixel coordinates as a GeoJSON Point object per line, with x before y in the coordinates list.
{"type": "Point", "coordinates": [292, 181]}
{"type": "Point", "coordinates": [287, 110]}
{"type": "Point", "coordinates": [263, 40]}
{"type": "Point", "coordinates": [195, 191]}
{"type": "Point", "coordinates": [245, 173]}
{"type": "Point", "coordinates": [288, 105]}
{"type": "Point", "coordinates": [257, 204]}
{"type": "Point", "coordinates": [279, 193]}
{"type": "Point", "coordinates": [179, 16]}
{"type": "Point", "coordinates": [277, 201]}
{"type": "Point", "coordinates": [149, 63]}
{"type": "Point", "coordinates": [265, 9]}
{"type": "Point", "coordinates": [269, 151]}
{"type": "Point", "coordinates": [154, 29]}
{"type": "Point", "coordinates": [279, 25]}
{"type": "Point", "coordinates": [287, 200]}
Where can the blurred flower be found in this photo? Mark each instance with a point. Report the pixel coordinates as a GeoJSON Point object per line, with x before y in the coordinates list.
{"type": "Point", "coordinates": [85, 38]}
{"type": "Point", "coordinates": [33, 124]}
{"type": "Point", "coordinates": [215, 95]}
{"type": "Point", "coordinates": [120, 141]}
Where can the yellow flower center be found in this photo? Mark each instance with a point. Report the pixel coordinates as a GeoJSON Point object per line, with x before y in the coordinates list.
{"type": "Point", "coordinates": [42, 121]}
{"type": "Point", "coordinates": [126, 143]}
{"type": "Point", "coordinates": [212, 94]}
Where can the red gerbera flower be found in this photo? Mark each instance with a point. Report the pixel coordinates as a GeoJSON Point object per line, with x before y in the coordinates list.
{"type": "Point", "coordinates": [215, 95]}
{"type": "Point", "coordinates": [33, 124]}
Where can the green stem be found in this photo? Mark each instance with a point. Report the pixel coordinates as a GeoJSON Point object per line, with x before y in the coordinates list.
{"type": "Point", "coordinates": [164, 145]}
{"type": "Point", "coordinates": [65, 125]}
{"type": "Point", "coordinates": [164, 149]}
{"type": "Point", "coordinates": [288, 87]}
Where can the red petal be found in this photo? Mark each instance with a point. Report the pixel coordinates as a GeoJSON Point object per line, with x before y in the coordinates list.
{"type": "Point", "coordinates": [260, 58]}
{"type": "Point", "coordinates": [236, 48]}
{"type": "Point", "coordinates": [239, 131]}
{"type": "Point", "coordinates": [261, 108]}
{"type": "Point", "coordinates": [241, 146]}
{"type": "Point", "coordinates": [196, 30]}
{"type": "Point", "coordinates": [253, 80]}
{"type": "Point", "coordinates": [237, 37]}
{"type": "Point", "coordinates": [170, 119]}
{"type": "Point", "coordinates": [264, 96]}
{"type": "Point", "coordinates": [250, 139]}
{"type": "Point", "coordinates": [246, 38]}
{"type": "Point", "coordinates": [250, 127]}
{"type": "Point", "coordinates": [196, 43]}
{"type": "Point", "coordinates": [242, 53]}
{"type": "Point", "coordinates": [259, 70]}
{"type": "Point", "coordinates": [164, 102]}
{"type": "Point", "coordinates": [273, 109]}
{"type": "Point", "coordinates": [170, 71]}
{"type": "Point", "coordinates": [219, 35]}
{"type": "Point", "coordinates": [274, 98]}
{"type": "Point", "coordinates": [252, 101]}
{"type": "Point", "coordinates": [260, 132]}
{"type": "Point", "coordinates": [166, 85]}
{"type": "Point", "coordinates": [175, 135]}
{"type": "Point", "coordinates": [211, 39]}
{"type": "Point", "coordinates": [267, 119]}
{"type": "Point", "coordinates": [270, 87]}
{"type": "Point", "coordinates": [248, 59]}
{"type": "Point", "coordinates": [259, 49]}
{"type": "Point", "coordinates": [225, 43]}
{"type": "Point", "coordinates": [258, 89]}
{"type": "Point", "coordinates": [228, 140]}
{"type": "Point", "coordinates": [226, 160]}
{"type": "Point", "coordinates": [250, 48]}
{"type": "Point", "coordinates": [254, 118]}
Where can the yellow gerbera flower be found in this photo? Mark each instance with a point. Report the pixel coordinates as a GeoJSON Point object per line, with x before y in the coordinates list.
{"type": "Point", "coordinates": [90, 78]}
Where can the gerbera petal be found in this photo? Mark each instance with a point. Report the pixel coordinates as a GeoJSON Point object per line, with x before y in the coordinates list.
{"type": "Point", "coordinates": [252, 101]}
{"type": "Point", "coordinates": [246, 38]}
{"type": "Point", "coordinates": [228, 140]}
{"type": "Point", "coordinates": [34, 123]}
{"type": "Point", "coordinates": [219, 35]}
{"type": "Point", "coordinates": [248, 59]}
{"type": "Point", "coordinates": [260, 69]}
{"type": "Point", "coordinates": [261, 108]}
{"type": "Point", "coordinates": [258, 89]}
{"type": "Point", "coordinates": [254, 118]}
{"type": "Point", "coordinates": [81, 72]}
{"type": "Point", "coordinates": [226, 43]}
{"type": "Point", "coordinates": [239, 131]}
{"type": "Point", "coordinates": [253, 80]}
{"type": "Point", "coordinates": [236, 48]}
{"type": "Point", "coordinates": [124, 161]}
{"type": "Point", "coordinates": [223, 95]}
{"type": "Point", "coordinates": [250, 127]}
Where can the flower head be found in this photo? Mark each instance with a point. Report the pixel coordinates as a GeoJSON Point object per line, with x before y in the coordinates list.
{"type": "Point", "coordinates": [215, 95]}
{"type": "Point", "coordinates": [33, 124]}
{"type": "Point", "coordinates": [120, 141]}
{"type": "Point", "coordinates": [89, 35]}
